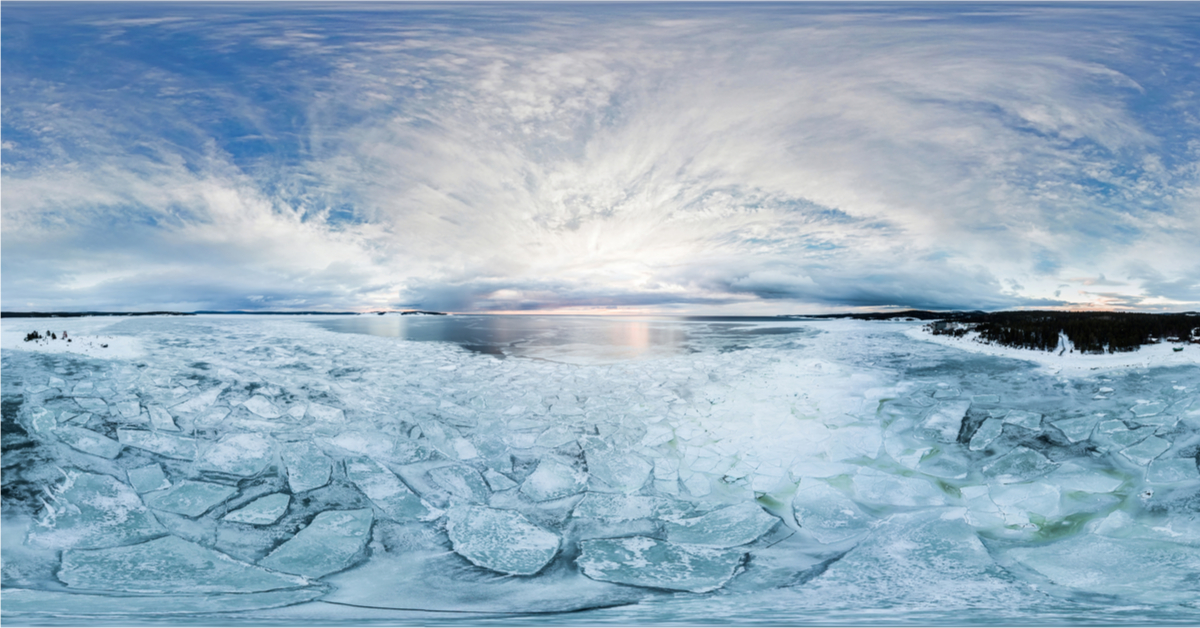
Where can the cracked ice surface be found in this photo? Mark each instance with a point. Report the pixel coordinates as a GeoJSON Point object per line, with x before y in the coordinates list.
{"type": "Point", "coordinates": [815, 472]}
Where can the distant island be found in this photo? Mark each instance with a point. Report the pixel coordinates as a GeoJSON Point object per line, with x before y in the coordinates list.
{"type": "Point", "coordinates": [1087, 332]}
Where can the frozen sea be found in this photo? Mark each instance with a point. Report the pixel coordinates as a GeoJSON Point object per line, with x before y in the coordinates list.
{"type": "Point", "coordinates": [382, 470]}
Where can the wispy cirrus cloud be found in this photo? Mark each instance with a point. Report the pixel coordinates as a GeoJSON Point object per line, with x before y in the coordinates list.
{"type": "Point", "coordinates": [516, 157]}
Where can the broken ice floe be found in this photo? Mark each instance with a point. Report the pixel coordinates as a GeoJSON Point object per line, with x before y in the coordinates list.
{"type": "Point", "coordinates": [167, 565]}
{"type": "Point", "coordinates": [262, 511]}
{"type": "Point", "coordinates": [501, 540]}
{"type": "Point", "coordinates": [646, 562]}
{"type": "Point", "coordinates": [189, 498]}
{"type": "Point", "coordinates": [330, 543]}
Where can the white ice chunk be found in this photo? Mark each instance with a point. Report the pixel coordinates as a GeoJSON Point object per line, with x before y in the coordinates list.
{"type": "Point", "coordinates": [199, 402]}
{"type": "Point", "coordinates": [1077, 429]}
{"type": "Point", "coordinates": [617, 506]}
{"type": "Point", "coordinates": [189, 498]}
{"type": "Point", "coordinates": [826, 513]}
{"type": "Point", "coordinates": [91, 510]}
{"type": "Point", "coordinates": [129, 409]}
{"type": "Point", "coordinates": [326, 414]}
{"type": "Point", "coordinates": [501, 540]}
{"type": "Point", "coordinates": [946, 420]}
{"type": "Point", "coordinates": [263, 407]}
{"type": "Point", "coordinates": [1074, 477]}
{"type": "Point", "coordinates": [553, 480]}
{"type": "Point", "coordinates": [332, 542]}
{"type": "Point", "coordinates": [92, 404]}
{"type": "Point", "coordinates": [621, 470]}
{"type": "Point", "coordinates": [872, 486]}
{"type": "Point", "coordinates": [167, 565]}
{"type": "Point", "coordinates": [244, 455]}
{"type": "Point", "coordinates": [1147, 450]}
{"type": "Point", "coordinates": [988, 431]}
{"type": "Point", "coordinates": [645, 562]}
{"type": "Point", "coordinates": [1138, 570]}
{"type": "Point", "coordinates": [727, 527]}
{"type": "Point", "coordinates": [498, 481]}
{"type": "Point", "coordinates": [1018, 465]}
{"type": "Point", "coordinates": [262, 511]}
{"type": "Point", "coordinates": [169, 445]}
{"type": "Point", "coordinates": [160, 419]}
{"type": "Point", "coordinates": [1148, 409]}
{"type": "Point", "coordinates": [387, 492]}
{"type": "Point", "coordinates": [90, 442]}
{"type": "Point", "coordinates": [462, 481]}
{"type": "Point", "coordinates": [307, 466]}
{"type": "Point", "coordinates": [1172, 470]}
{"type": "Point", "coordinates": [148, 478]}
{"type": "Point", "coordinates": [1016, 501]}
{"type": "Point", "coordinates": [1027, 420]}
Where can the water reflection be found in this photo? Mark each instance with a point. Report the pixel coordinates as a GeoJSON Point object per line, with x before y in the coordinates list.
{"type": "Point", "coordinates": [575, 339]}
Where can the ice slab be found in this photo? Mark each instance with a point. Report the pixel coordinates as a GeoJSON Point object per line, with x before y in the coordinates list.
{"type": "Point", "coordinates": [498, 481]}
{"type": "Point", "coordinates": [190, 498]}
{"type": "Point", "coordinates": [1025, 419]}
{"type": "Point", "coordinates": [387, 492]}
{"type": "Point", "coordinates": [645, 562]}
{"type": "Point", "coordinates": [244, 455]}
{"type": "Point", "coordinates": [332, 542]}
{"type": "Point", "coordinates": [1018, 465]}
{"type": "Point", "coordinates": [988, 432]}
{"type": "Point", "coordinates": [1148, 409]}
{"type": "Point", "coordinates": [89, 442]}
{"type": "Point", "coordinates": [263, 407]}
{"type": "Point", "coordinates": [1138, 570]}
{"type": "Point", "coordinates": [872, 486]}
{"type": "Point", "coordinates": [92, 404]}
{"type": "Point", "coordinates": [160, 419]}
{"type": "Point", "coordinates": [91, 511]}
{"type": "Point", "coordinates": [621, 471]}
{"type": "Point", "coordinates": [148, 478]}
{"type": "Point", "coordinates": [262, 511]}
{"type": "Point", "coordinates": [1077, 429]}
{"type": "Point", "coordinates": [1075, 477]}
{"type": "Point", "coordinates": [307, 466]}
{"type": "Point", "coordinates": [61, 604]}
{"type": "Point", "coordinates": [727, 527]}
{"type": "Point", "coordinates": [946, 420]}
{"type": "Point", "coordinates": [326, 414]}
{"type": "Point", "coordinates": [1147, 450]}
{"type": "Point", "coordinates": [827, 513]}
{"type": "Point", "coordinates": [169, 445]}
{"type": "Point", "coordinates": [501, 540]}
{"type": "Point", "coordinates": [928, 560]}
{"type": "Point", "coordinates": [463, 482]}
{"type": "Point", "coordinates": [617, 506]}
{"type": "Point", "coordinates": [1172, 470]}
{"type": "Point", "coordinates": [554, 480]}
{"type": "Point", "coordinates": [198, 403]}
{"type": "Point", "coordinates": [167, 565]}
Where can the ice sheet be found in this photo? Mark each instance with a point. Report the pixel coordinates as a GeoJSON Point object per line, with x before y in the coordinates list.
{"type": "Point", "coordinates": [852, 466]}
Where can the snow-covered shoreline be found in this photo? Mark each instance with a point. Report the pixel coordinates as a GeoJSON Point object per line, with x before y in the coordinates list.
{"type": "Point", "coordinates": [1070, 363]}
{"type": "Point", "coordinates": [84, 337]}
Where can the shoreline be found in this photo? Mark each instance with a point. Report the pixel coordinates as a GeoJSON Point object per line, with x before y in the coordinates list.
{"type": "Point", "coordinates": [1147, 356]}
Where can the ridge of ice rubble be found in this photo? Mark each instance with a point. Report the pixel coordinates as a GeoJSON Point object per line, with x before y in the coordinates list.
{"type": "Point", "coordinates": [266, 463]}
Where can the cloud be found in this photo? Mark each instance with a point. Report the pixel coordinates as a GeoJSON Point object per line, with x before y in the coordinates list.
{"type": "Point", "coordinates": [538, 157]}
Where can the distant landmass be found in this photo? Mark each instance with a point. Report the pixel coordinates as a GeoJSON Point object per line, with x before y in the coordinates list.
{"type": "Point", "coordinates": [1088, 332]}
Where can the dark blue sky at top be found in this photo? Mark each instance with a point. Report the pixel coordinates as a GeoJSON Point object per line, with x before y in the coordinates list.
{"type": "Point", "coordinates": [687, 158]}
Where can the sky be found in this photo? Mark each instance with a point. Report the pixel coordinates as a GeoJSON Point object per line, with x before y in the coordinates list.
{"type": "Point", "coordinates": [599, 158]}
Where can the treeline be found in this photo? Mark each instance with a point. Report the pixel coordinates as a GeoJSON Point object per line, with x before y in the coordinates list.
{"type": "Point", "coordinates": [1089, 332]}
